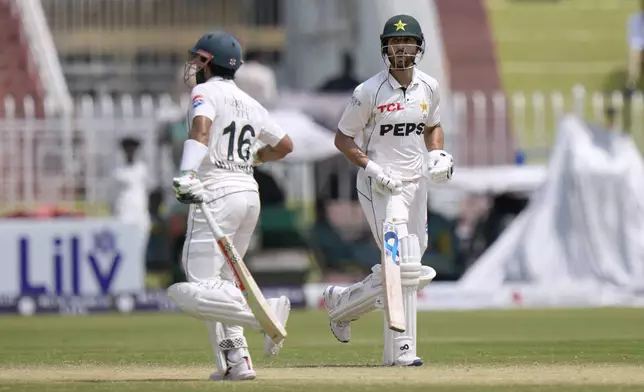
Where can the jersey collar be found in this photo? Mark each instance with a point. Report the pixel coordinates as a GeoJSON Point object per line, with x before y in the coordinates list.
{"type": "Point", "coordinates": [394, 83]}
{"type": "Point", "coordinates": [219, 79]}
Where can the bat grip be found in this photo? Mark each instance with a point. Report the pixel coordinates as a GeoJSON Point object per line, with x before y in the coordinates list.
{"type": "Point", "coordinates": [389, 209]}
{"type": "Point", "coordinates": [392, 208]}
{"type": "Point", "coordinates": [214, 227]}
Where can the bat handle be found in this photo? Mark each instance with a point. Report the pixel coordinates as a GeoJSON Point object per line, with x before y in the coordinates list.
{"type": "Point", "coordinates": [214, 227]}
{"type": "Point", "coordinates": [394, 207]}
{"type": "Point", "coordinates": [389, 209]}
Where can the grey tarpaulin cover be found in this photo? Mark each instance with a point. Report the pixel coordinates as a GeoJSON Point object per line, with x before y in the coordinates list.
{"type": "Point", "coordinates": [311, 142]}
{"type": "Point", "coordinates": [585, 225]}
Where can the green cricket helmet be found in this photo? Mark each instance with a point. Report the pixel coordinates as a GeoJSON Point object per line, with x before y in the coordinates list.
{"type": "Point", "coordinates": [401, 55]}
{"type": "Point", "coordinates": [214, 48]}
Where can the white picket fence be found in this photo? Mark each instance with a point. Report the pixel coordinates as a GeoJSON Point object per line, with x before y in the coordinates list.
{"type": "Point", "coordinates": [486, 126]}
{"type": "Point", "coordinates": [54, 158]}
{"type": "Point", "coordinates": [67, 158]}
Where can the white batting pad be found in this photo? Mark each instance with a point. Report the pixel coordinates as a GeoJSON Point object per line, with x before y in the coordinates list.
{"type": "Point", "coordinates": [427, 274]}
{"type": "Point", "coordinates": [216, 333]}
{"type": "Point", "coordinates": [359, 298]}
{"type": "Point", "coordinates": [217, 300]}
{"type": "Point", "coordinates": [404, 344]}
{"type": "Point", "coordinates": [388, 346]}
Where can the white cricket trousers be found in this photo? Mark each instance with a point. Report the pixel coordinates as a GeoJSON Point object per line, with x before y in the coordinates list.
{"type": "Point", "coordinates": [236, 210]}
{"type": "Point", "coordinates": [414, 196]}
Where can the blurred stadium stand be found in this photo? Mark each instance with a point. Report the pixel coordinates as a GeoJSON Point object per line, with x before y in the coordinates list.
{"type": "Point", "coordinates": [136, 46]}
{"type": "Point", "coordinates": [474, 70]}
{"type": "Point", "coordinates": [77, 75]}
{"type": "Point", "coordinates": [18, 74]}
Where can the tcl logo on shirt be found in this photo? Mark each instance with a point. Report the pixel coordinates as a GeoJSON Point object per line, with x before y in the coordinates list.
{"type": "Point", "coordinates": [402, 129]}
{"type": "Point", "coordinates": [391, 107]}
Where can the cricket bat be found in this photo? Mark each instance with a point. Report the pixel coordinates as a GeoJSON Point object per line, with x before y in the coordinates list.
{"type": "Point", "coordinates": [254, 297]}
{"type": "Point", "coordinates": [394, 310]}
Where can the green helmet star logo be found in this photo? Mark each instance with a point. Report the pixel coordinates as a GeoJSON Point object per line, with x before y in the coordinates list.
{"type": "Point", "coordinates": [400, 25]}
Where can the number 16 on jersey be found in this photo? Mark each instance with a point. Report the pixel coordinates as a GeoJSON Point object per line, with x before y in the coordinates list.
{"type": "Point", "coordinates": [243, 141]}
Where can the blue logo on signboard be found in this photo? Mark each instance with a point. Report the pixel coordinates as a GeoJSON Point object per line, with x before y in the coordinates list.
{"type": "Point", "coordinates": [101, 252]}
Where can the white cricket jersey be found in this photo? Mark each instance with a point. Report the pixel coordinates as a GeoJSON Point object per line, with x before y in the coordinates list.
{"type": "Point", "coordinates": [131, 192]}
{"type": "Point", "coordinates": [237, 122]}
{"type": "Point", "coordinates": [387, 121]}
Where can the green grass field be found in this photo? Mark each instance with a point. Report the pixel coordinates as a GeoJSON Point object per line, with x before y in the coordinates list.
{"type": "Point", "coordinates": [551, 46]}
{"type": "Point", "coordinates": [553, 350]}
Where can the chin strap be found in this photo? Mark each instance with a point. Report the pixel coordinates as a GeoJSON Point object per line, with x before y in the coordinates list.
{"type": "Point", "coordinates": [200, 76]}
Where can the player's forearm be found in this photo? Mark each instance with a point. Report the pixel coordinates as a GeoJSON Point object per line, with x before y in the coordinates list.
{"type": "Point", "coordinates": [275, 153]}
{"type": "Point", "coordinates": [350, 149]}
{"type": "Point", "coordinates": [268, 153]}
{"type": "Point", "coordinates": [200, 130]}
{"type": "Point", "coordinates": [434, 138]}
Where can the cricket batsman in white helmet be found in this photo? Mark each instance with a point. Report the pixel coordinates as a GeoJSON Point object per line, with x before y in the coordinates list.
{"type": "Point", "coordinates": [391, 124]}
{"type": "Point", "coordinates": [217, 168]}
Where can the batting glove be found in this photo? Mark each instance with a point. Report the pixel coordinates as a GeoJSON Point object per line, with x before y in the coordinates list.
{"type": "Point", "coordinates": [439, 167]}
{"type": "Point", "coordinates": [254, 156]}
{"type": "Point", "coordinates": [188, 188]}
{"type": "Point", "coordinates": [385, 182]}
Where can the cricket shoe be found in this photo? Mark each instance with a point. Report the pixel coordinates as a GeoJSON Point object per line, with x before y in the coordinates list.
{"type": "Point", "coordinates": [408, 360]}
{"type": "Point", "coordinates": [340, 329]}
{"type": "Point", "coordinates": [407, 356]}
{"type": "Point", "coordinates": [240, 367]}
{"type": "Point", "coordinates": [281, 308]}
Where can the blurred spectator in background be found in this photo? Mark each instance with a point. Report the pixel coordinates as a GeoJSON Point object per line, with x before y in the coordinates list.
{"type": "Point", "coordinates": [636, 47]}
{"type": "Point", "coordinates": [487, 223]}
{"type": "Point", "coordinates": [345, 81]}
{"type": "Point", "coordinates": [270, 192]}
{"type": "Point", "coordinates": [611, 119]}
{"type": "Point", "coordinates": [333, 252]}
{"type": "Point", "coordinates": [129, 190]}
{"type": "Point", "coordinates": [256, 78]}
{"type": "Point", "coordinates": [158, 249]}
{"type": "Point", "coordinates": [172, 132]}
